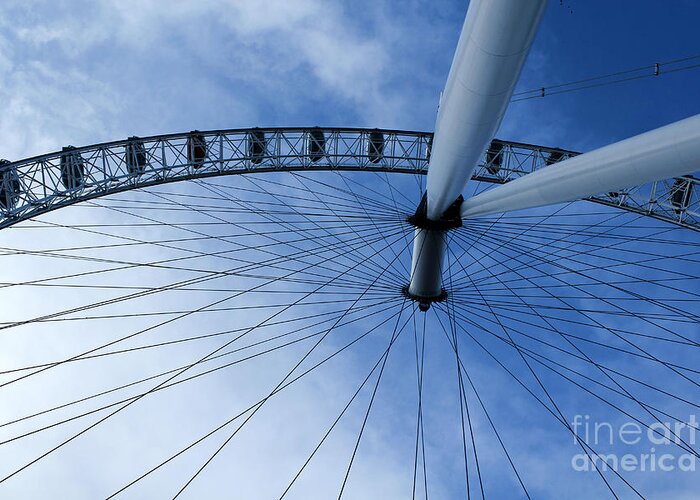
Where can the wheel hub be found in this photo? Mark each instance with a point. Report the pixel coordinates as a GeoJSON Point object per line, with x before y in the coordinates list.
{"type": "Point", "coordinates": [429, 246]}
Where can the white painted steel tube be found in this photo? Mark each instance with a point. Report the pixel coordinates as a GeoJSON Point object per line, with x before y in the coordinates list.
{"type": "Point", "coordinates": [426, 268]}
{"type": "Point", "coordinates": [661, 153]}
{"type": "Point", "coordinates": [494, 43]}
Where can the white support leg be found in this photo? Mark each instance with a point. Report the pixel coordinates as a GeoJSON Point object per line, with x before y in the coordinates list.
{"type": "Point", "coordinates": [494, 43]}
{"type": "Point", "coordinates": [428, 254]}
{"type": "Point", "coordinates": [662, 153]}
{"type": "Point", "coordinates": [492, 48]}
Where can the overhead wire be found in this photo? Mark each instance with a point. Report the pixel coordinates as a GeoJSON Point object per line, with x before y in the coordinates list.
{"type": "Point", "coordinates": [647, 71]}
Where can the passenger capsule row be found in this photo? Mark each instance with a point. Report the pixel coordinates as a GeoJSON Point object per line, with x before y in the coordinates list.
{"type": "Point", "coordinates": [257, 145]}
{"type": "Point", "coordinates": [73, 171]}
{"type": "Point", "coordinates": [11, 187]}
{"type": "Point", "coordinates": [494, 156]}
{"type": "Point", "coordinates": [681, 194]}
{"type": "Point", "coordinates": [72, 166]}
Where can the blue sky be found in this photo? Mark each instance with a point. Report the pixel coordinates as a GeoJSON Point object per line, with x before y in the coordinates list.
{"type": "Point", "coordinates": [126, 68]}
{"type": "Point", "coordinates": [81, 72]}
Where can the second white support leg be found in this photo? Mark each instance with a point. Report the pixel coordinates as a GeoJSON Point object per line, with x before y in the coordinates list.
{"type": "Point", "coordinates": [426, 268]}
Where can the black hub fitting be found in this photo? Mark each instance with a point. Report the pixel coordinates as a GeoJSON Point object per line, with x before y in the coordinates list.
{"type": "Point", "coordinates": [424, 302]}
{"type": "Point", "coordinates": [450, 219]}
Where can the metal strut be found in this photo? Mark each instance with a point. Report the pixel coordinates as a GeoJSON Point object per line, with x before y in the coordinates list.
{"type": "Point", "coordinates": [429, 245]}
{"type": "Point", "coordinates": [492, 48]}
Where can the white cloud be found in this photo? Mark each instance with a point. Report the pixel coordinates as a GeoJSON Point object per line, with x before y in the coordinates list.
{"type": "Point", "coordinates": [94, 71]}
{"type": "Point", "coordinates": [84, 72]}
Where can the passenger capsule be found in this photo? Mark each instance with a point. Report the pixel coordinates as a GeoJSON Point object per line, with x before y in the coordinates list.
{"type": "Point", "coordinates": [257, 146]}
{"type": "Point", "coordinates": [136, 156]}
{"type": "Point", "coordinates": [196, 148]}
{"type": "Point", "coordinates": [72, 168]}
{"type": "Point", "coordinates": [316, 147]}
{"type": "Point", "coordinates": [10, 188]}
{"type": "Point", "coordinates": [375, 146]}
{"type": "Point", "coordinates": [554, 157]}
{"type": "Point", "coordinates": [494, 157]}
{"type": "Point", "coordinates": [681, 193]}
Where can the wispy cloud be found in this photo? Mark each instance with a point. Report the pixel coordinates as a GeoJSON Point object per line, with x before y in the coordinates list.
{"type": "Point", "coordinates": [91, 71]}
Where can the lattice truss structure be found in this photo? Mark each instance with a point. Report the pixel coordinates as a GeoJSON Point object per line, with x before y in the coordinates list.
{"type": "Point", "coordinates": [43, 183]}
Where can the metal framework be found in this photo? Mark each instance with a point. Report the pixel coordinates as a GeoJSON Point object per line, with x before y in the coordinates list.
{"type": "Point", "coordinates": [37, 185]}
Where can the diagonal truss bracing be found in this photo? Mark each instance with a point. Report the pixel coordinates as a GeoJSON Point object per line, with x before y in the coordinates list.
{"type": "Point", "coordinates": [44, 183]}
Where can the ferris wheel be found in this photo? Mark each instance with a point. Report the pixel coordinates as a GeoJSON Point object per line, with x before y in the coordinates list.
{"type": "Point", "coordinates": [354, 313]}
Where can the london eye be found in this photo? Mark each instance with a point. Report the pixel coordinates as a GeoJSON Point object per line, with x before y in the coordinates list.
{"type": "Point", "coordinates": [355, 312]}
